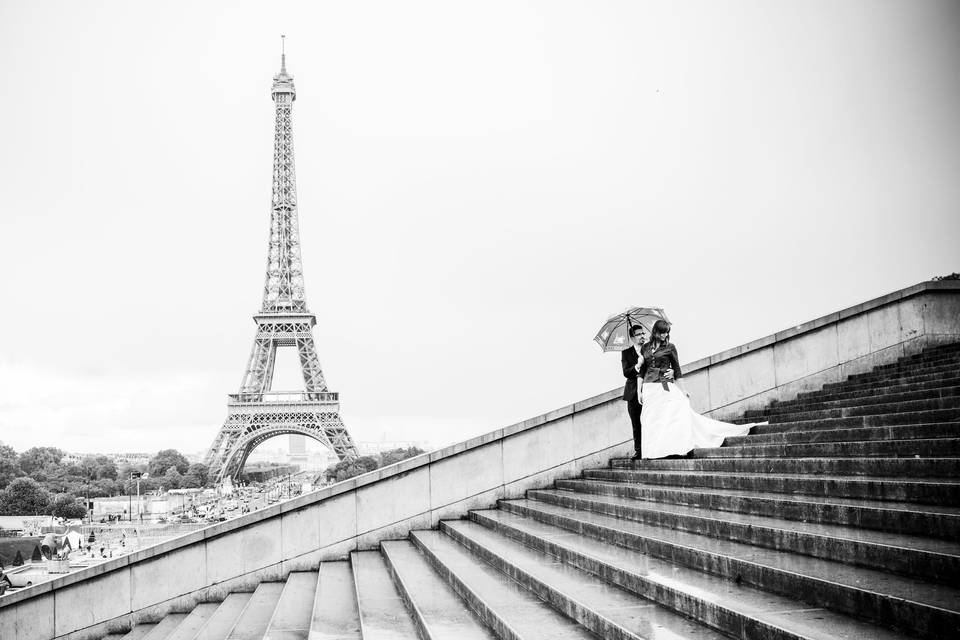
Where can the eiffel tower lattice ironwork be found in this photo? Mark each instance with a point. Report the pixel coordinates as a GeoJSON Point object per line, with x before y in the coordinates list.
{"type": "Point", "coordinates": [257, 413]}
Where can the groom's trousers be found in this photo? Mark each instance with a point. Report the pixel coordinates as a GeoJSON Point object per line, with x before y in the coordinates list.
{"type": "Point", "coordinates": [634, 408]}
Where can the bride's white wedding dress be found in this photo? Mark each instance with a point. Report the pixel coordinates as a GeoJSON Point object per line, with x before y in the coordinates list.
{"type": "Point", "coordinates": [669, 425]}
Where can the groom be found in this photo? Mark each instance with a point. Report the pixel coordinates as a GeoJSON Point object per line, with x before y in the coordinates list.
{"type": "Point", "coordinates": [633, 368]}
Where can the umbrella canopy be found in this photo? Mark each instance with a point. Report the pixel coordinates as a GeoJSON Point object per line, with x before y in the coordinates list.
{"type": "Point", "coordinates": [614, 334]}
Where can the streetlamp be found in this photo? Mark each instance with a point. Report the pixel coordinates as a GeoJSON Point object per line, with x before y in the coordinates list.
{"type": "Point", "coordinates": [134, 475]}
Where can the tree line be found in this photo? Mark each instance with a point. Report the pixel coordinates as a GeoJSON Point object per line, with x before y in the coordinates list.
{"type": "Point", "coordinates": [41, 480]}
{"type": "Point", "coordinates": [348, 468]}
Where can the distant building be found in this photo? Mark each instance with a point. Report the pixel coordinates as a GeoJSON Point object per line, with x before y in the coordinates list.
{"type": "Point", "coordinates": [118, 458]}
{"type": "Point", "coordinates": [298, 444]}
{"type": "Point", "coordinates": [298, 450]}
{"type": "Point", "coordinates": [130, 458]}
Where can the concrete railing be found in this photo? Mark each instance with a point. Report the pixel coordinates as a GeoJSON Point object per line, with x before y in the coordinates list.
{"type": "Point", "coordinates": [266, 545]}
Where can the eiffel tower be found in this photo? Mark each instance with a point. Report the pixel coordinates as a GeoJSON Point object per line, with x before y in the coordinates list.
{"type": "Point", "coordinates": [257, 413]}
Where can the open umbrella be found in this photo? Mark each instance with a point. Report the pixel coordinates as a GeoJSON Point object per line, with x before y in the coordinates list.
{"type": "Point", "coordinates": [614, 334]}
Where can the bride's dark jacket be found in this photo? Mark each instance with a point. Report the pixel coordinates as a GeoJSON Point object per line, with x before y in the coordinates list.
{"type": "Point", "coordinates": [654, 362]}
{"type": "Point", "coordinates": [628, 360]}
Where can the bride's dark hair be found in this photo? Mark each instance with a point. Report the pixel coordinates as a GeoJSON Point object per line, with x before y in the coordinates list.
{"type": "Point", "coordinates": [658, 326]}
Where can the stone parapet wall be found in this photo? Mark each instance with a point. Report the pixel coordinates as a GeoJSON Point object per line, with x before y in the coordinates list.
{"type": "Point", "coordinates": [266, 545]}
{"type": "Point", "coordinates": [825, 350]}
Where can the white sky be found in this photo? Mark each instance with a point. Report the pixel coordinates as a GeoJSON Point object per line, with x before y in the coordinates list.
{"type": "Point", "coordinates": [480, 185]}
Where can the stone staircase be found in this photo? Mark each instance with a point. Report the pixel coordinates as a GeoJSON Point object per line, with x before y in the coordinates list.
{"type": "Point", "coordinates": [840, 518]}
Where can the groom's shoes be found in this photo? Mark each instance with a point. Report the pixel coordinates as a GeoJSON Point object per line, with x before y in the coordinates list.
{"type": "Point", "coordinates": [637, 456]}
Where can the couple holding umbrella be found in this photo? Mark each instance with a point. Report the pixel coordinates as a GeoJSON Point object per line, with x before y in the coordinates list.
{"type": "Point", "coordinates": [664, 423]}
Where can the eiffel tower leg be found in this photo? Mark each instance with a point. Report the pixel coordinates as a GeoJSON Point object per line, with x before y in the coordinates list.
{"type": "Point", "coordinates": [234, 464]}
{"type": "Point", "coordinates": [242, 462]}
{"type": "Point", "coordinates": [220, 451]}
{"type": "Point", "coordinates": [259, 374]}
{"type": "Point", "coordinates": [313, 379]}
{"type": "Point", "coordinates": [230, 462]}
{"type": "Point", "coordinates": [271, 361]}
{"type": "Point", "coordinates": [337, 435]}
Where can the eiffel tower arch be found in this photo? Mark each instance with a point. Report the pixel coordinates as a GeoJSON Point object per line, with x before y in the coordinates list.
{"type": "Point", "coordinates": [258, 413]}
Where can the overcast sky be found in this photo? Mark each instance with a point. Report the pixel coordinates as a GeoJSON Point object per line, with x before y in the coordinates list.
{"type": "Point", "coordinates": [481, 185]}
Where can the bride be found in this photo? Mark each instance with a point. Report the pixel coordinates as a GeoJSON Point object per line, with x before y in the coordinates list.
{"type": "Point", "coordinates": [670, 427]}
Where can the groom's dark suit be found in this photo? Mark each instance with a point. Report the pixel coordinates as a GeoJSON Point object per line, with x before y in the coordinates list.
{"type": "Point", "coordinates": [628, 361]}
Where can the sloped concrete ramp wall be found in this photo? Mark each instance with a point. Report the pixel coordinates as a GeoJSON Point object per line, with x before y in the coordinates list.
{"type": "Point", "coordinates": [236, 555]}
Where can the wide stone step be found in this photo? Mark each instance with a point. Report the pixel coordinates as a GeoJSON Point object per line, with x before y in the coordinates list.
{"type": "Point", "coordinates": [867, 410]}
{"type": "Point", "coordinates": [942, 378]}
{"type": "Point", "coordinates": [868, 391]}
{"type": "Point", "coordinates": [899, 467]}
{"type": "Point", "coordinates": [253, 621]}
{"type": "Point", "coordinates": [911, 605]}
{"type": "Point", "coordinates": [935, 349]}
{"type": "Point", "coordinates": [863, 401]}
{"type": "Point", "coordinates": [931, 359]}
{"type": "Point", "coordinates": [335, 613]}
{"type": "Point", "coordinates": [930, 447]}
{"type": "Point", "coordinates": [763, 426]}
{"type": "Point", "coordinates": [291, 618]}
{"type": "Point", "coordinates": [383, 615]}
{"type": "Point", "coordinates": [734, 608]}
{"type": "Point", "coordinates": [197, 619]}
{"type": "Point", "coordinates": [918, 370]}
{"type": "Point", "coordinates": [900, 432]}
{"type": "Point", "coordinates": [922, 368]}
{"type": "Point", "coordinates": [438, 612]}
{"type": "Point", "coordinates": [882, 420]}
{"type": "Point", "coordinates": [895, 517]}
{"type": "Point", "coordinates": [906, 367]}
{"type": "Point", "coordinates": [921, 359]}
{"type": "Point", "coordinates": [876, 389]}
{"type": "Point", "coordinates": [165, 627]}
{"type": "Point", "coordinates": [916, 556]}
{"type": "Point", "coordinates": [607, 610]}
{"type": "Point", "coordinates": [224, 618]}
{"type": "Point", "coordinates": [513, 612]}
{"type": "Point", "coordinates": [932, 491]}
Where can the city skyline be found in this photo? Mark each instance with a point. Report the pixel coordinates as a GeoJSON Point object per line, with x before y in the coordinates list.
{"type": "Point", "coordinates": [473, 201]}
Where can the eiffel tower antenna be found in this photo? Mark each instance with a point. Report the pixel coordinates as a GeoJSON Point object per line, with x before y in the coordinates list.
{"type": "Point", "coordinates": [258, 413]}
